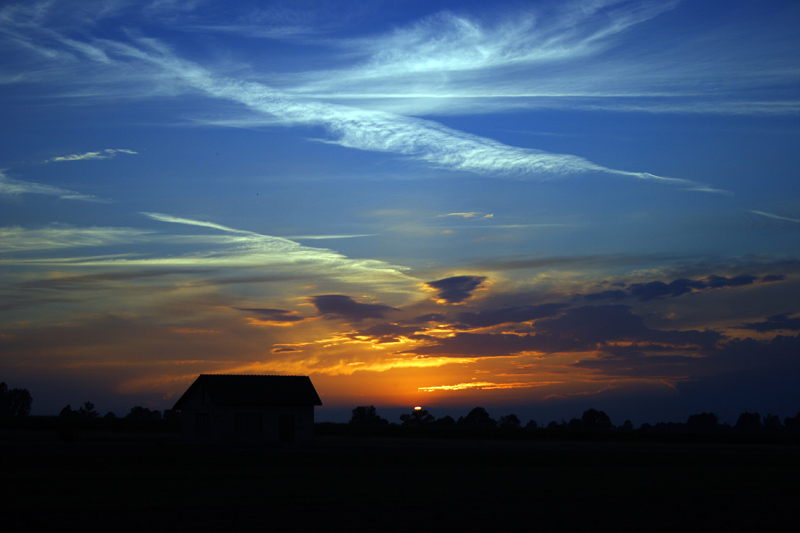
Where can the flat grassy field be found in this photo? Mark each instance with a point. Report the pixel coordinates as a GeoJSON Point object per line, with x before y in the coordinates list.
{"type": "Point", "coordinates": [149, 481]}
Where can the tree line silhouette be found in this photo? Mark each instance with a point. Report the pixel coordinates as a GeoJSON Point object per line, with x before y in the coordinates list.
{"type": "Point", "coordinates": [15, 407]}
{"type": "Point", "coordinates": [593, 424]}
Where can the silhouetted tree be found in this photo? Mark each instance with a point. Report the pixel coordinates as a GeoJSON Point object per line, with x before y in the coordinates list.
{"type": "Point", "coordinates": [82, 415]}
{"type": "Point", "coordinates": [626, 426]}
{"type": "Point", "coordinates": [478, 418]}
{"type": "Point", "coordinates": [702, 422]}
{"type": "Point", "coordinates": [509, 422]}
{"type": "Point", "coordinates": [792, 423]}
{"type": "Point", "coordinates": [14, 402]}
{"type": "Point", "coordinates": [594, 419]}
{"type": "Point", "coordinates": [367, 415]}
{"type": "Point", "coordinates": [87, 410]}
{"type": "Point", "coordinates": [531, 425]}
{"type": "Point", "coordinates": [417, 418]}
{"type": "Point", "coordinates": [772, 423]}
{"type": "Point", "coordinates": [749, 422]}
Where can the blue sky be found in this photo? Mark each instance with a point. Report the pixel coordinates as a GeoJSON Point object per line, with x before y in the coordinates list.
{"type": "Point", "coordinates": [534, 207]}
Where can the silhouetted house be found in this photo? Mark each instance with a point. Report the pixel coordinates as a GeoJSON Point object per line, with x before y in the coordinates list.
{"type": "Point", "coordinates": [247, 409]}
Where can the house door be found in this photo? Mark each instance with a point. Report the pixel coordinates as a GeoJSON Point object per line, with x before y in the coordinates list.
{"type": "Point", "coordinates": [286, 429]}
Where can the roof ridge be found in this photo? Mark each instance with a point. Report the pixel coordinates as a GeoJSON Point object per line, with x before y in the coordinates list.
{"type": "Point", "coordinates": [260, 375]}
{"type": "Point", "coordinates": [232, 390]}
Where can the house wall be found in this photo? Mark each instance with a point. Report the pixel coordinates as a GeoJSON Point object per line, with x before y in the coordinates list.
{"type": "Point", "coordinates": [286, 425]}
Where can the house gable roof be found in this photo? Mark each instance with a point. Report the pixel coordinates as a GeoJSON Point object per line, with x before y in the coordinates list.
{"type": "Point", "coordinates": [249, 391]}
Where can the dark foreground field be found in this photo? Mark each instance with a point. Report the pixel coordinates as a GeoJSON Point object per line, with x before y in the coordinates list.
{"type": "Point", "coordinates": [151, 482]}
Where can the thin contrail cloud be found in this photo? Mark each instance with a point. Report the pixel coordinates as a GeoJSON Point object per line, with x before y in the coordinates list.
{"type": "Point", "coordinates": [776, 217]}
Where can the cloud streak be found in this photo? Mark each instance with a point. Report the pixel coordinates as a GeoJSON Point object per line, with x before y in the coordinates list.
{"type": "Point", "coordinates": [12, 187]}
{"type": "Point", "coordinates": [235, 257]}
{"type": "Point", "coordinates": [377, 131]}
{"type": "Point", "coordinates": [16, 239]}
{"type": "Point", "coordinates": [108, 153]}
{"type": "Point", "coordinates": [776, 217]}
{"type": "Point", "coordinates": [652, 290]}
{"type": "Point", "coordinates": [468, 215]}
{"type": "Point", "coordinates": [254, 249]}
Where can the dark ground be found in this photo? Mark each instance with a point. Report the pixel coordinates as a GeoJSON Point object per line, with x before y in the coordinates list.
{"type": "Point", "coordinates": [149, 481]}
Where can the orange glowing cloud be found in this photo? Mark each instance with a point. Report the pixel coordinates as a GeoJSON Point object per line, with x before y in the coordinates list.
{"type": "Point", "coordinates": [485, 385]}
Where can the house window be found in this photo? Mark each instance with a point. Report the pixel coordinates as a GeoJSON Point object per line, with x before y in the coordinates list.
{"type": "Point", "coordinates": [249, 423]}
{"type": "Point", "coordinates": [201, 423]}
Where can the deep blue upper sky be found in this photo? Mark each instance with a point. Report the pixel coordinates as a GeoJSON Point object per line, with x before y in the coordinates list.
{"type": "Point", "coordinates": [277, 187]}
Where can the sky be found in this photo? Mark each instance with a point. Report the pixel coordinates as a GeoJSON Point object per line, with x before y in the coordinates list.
{"type": "Point", "coordinates": [533, 207]}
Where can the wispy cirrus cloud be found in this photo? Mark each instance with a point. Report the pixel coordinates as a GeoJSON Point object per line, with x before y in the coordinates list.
{"type": "Point", "coordinates": [108, 153]}
{"type": "Point", "coordinates": [17, 239]}
{"type": "Point", "coordinates": [564, 57]}
{"type": "Point", "coordinates": [248, 248]}
{"type": "Point", "coordinates": [456, 43]}
{"type": "Point", "coordinates": [419, 139]}
{"type": "Point", "coordinates": [325, 237]}
{"type": "Point", "coordinates": [358, 127]}
{"type": "Point", "coordinates": [12, 187]}
{"type": "Point", "coordinates": [468, 215]}
{"type": "Point", "coordinates": [191, 222]}
{"type": "Point", "coordinates": [777, 217]}
{"type": "Point", "coordinates": [240, 250]}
